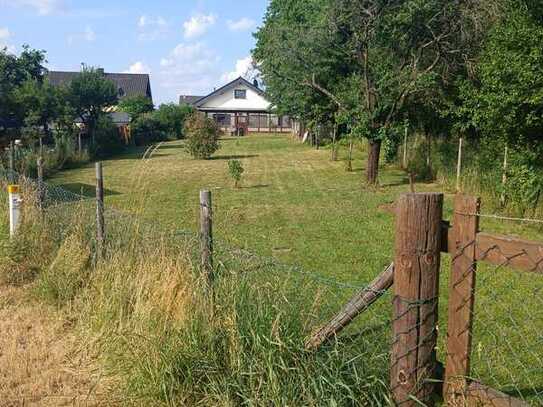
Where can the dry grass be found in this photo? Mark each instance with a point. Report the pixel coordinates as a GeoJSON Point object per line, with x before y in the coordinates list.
{"type": "Point", "coordinates": [42, 362]}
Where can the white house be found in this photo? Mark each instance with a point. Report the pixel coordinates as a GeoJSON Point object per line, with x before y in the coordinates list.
{"type": "Point", "coordinates": [240, 107]}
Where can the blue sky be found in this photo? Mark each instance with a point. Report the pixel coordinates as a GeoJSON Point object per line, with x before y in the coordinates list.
{"type": "Point", "coordinates": [188, 46]}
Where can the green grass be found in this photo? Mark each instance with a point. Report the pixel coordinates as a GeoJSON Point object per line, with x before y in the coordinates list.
{"type": "Point", "coordinates": [301, 208]}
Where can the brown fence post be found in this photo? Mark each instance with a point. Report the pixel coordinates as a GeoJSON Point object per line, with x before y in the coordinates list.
{"type": "Point", "coordinates": [461, 298]}
{"type": "Point", "coordinates": [41, 185]}
{"type": "Point", "coordinates": [416, 285]}
{"type": "Point", "coordinates": [100, 223]}
{"type": "Point", "coordinates": [206, 234]}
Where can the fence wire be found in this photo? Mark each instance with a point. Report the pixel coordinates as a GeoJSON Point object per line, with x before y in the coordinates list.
{"type": "Point", "coordinates": [507, 322]}
{"type": "Point", "coordinates": [314, 298]}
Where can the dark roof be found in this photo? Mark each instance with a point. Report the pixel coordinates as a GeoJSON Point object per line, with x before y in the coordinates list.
{"type": "Point", "coordinates": [128, 84]}
{"type": "Point", "coordinates": [238, 81]}
{"type": "Point", "coordinates": [188, 99]}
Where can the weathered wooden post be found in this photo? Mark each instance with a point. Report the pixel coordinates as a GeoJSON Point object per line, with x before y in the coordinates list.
{"type": "Point", "coordinates": [405, 147]}
{"type": "Point", "coordinates": [416, 284]}
{"type": "Point", "coordinates": [206, 234]}
{"type": "Point", "coordinates": [41, 185]}
{"type": "Point", "coordinates": [100, 223]}
{"type": "Point", "coordinates": [459, 165]}
{"type": "Point", "coordinates": [461, 298]}
{"type": "Point", "coordinates": [503, 197]}
{"type": "Point", "coordinates": [11, 175]}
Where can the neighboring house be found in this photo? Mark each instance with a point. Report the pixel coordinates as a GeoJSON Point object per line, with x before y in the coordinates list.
{"type": "Point", "coordinates": [240, 107]}
{"type": "Point", "coordinates": [128, 84]}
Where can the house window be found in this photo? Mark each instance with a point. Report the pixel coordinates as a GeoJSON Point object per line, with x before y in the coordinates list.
{"type": "Point", "coordinates": [240, 94]}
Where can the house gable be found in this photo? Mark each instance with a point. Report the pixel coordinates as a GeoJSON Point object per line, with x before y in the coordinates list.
{"type": "Point", "coordinates": [224, 98]}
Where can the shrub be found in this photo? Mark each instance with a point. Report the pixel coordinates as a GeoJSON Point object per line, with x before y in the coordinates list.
{"type": "Point", "coordinates": [172, 119]}
{"type": "Point", "coordinates": [202, 136]}
{"type": "Point", "coordinates": [236, 170]}
{"type": "Point", "coordinates": [148, 129]}
{"type": "Point", "coordinates": [106, 138]}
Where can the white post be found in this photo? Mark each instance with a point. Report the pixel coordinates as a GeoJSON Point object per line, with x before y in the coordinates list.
{"type": "Point", "coordinates": [459, 166]}
{"type": "Point", "coordinates": [14, 209]}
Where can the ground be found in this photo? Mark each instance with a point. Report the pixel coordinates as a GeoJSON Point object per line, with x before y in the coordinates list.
{"type": "Point", "coordinates": [303, 209]}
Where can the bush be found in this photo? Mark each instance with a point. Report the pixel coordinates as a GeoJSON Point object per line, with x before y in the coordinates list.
{"type": "Point", "coordinates": [106, 138]}
{"type": "Point", "coordinates": [202, 136]}
{"type": "Point", "coordinates": [172, 118]}
{"type": "Point", "coordinates": [148, 129]}
{"type": "Point", "coordinates": [236, 170]}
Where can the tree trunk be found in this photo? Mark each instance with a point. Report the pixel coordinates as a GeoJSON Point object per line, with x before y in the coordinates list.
{"type": "Point", "coordinates": [372, 170]}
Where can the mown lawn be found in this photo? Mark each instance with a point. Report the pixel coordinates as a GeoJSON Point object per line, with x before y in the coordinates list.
{"type": "Point", "coordinates": [303, 209]}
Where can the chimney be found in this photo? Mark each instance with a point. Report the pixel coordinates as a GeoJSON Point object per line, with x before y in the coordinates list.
{"type": "Point", "coordinates": [255, 82]}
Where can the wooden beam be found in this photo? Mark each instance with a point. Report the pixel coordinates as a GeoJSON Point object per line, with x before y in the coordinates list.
{"type": "Point", "coordinates": [480, 395]}
{"type": "Point", "coordinates": [520, 254]}
{"type": "Point", "coordinates": [360, 303]}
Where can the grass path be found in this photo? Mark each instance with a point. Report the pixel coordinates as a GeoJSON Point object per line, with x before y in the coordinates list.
{"type": "Point", "coordinates": [41, 361]}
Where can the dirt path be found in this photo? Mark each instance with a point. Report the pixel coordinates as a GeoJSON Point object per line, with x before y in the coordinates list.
{"type": "Point", "coordinates": [41, 363]}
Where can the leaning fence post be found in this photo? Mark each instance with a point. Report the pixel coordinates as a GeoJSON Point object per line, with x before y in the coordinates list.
{"type": "Point", "coordinates": [41, 185]}
{"type": "Point", "coordinates": [206, 234]}
{"type": "Point", "coordinates": [100, 223]}
{"type": "Point", "coordinates": [416, 283]}
{"type": "Point", "coordinates": [461, 298]}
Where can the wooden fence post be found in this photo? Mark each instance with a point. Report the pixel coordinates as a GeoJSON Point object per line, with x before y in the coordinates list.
{"type": "Point", "coordinates": [100, 223]}
{"type": "Point", "coordinates": [41, 185]}
{"type": "Point", "coordinates": [206, 234]}
{"type": "Point", "coordinates": [459, 165]}
{"type": "Point", "coordinates": [404, 163]}
{"type": "Point", "coordinates": [416, 285]}
{"type": "Point", "coordinates": [461, 299]}
{"type": "Point", "coordinates": [11, 175]}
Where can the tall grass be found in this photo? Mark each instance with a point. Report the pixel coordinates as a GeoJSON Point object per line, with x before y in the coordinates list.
{"type": "Point", "coordinates": [173, 340]}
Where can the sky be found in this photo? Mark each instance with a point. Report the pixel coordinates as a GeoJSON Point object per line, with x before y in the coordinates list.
{"type": "Point", "coordinates": [189, 47]}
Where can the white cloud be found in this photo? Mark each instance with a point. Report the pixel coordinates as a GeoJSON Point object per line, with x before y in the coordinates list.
{"type": "Point", "coordinates": [88, 35]}
{"type": "Point", "coordinates": [138, 67]}
{"type": "Point", "coordinates": [188, 69]}
{"type": "Point", "coordinates": [151, 28]}
{"type": "Point", "coordinates": [198, 25]}
{"type": "Point", "coordinates": [5, 36]}
{"type": "Point", "coordinates": [42, 7]}
{"type": "Point", "coordinates": [244, 24]}
{"type": "Point", "coordinates": [244, 68]}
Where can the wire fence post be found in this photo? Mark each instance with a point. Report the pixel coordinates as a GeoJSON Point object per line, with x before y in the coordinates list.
{"type": "Point", "coordinates": [416, 282]}
{"type": "Point", "coordinates": [41, 185]}
{"type": "Point", "coordinates": [406, 133]}
{"type": "Point", "coordinates": [461, 298]}
{"type": "Point", "coordinates": [11, 163]}
{"type": "Point", "coordinates": [206, 234]}
{"type": "Point", "coordinates": [100, 223]}
{"type": "Point", "coordinates": [459, 166]}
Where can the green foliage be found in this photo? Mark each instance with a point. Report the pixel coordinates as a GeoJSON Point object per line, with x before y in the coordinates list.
{"type": "Point", "coordinates": [107, 141]}
{"type": "Point", "coordinates": [89, 93]}
{"type": "Point", "coordinates": [236, 170]}
{"type": "Point", "coordinates": [147, 129]}
{"type": "Point", "coordinates": [171, 118]}
{"type": "Point", "coordinates": [202, 136]}
{"type": "Point", "coordinates": [136, 106]}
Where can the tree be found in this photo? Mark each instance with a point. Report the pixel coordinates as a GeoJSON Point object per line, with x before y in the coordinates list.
{"type": "Point", "coordinates": [172, 118]}
{"type": "Point", "coordinates": [136, 106]}
{"type": "Point", "coordinates": [42, 103]}
{"type": "Point", "coordinates": [203, 134]}
{"type": "Point", "coordinates": [89, 94]}
{"type": "Point", "coordinates": [370, 58]}
{"type": "Point", "coordinates": [14, 71]}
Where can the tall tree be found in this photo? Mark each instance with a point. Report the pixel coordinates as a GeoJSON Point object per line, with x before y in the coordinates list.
{"type": "Point", "coordinates": [90, 92]}
{"type": "Point", "coordinates": [368, 57]}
